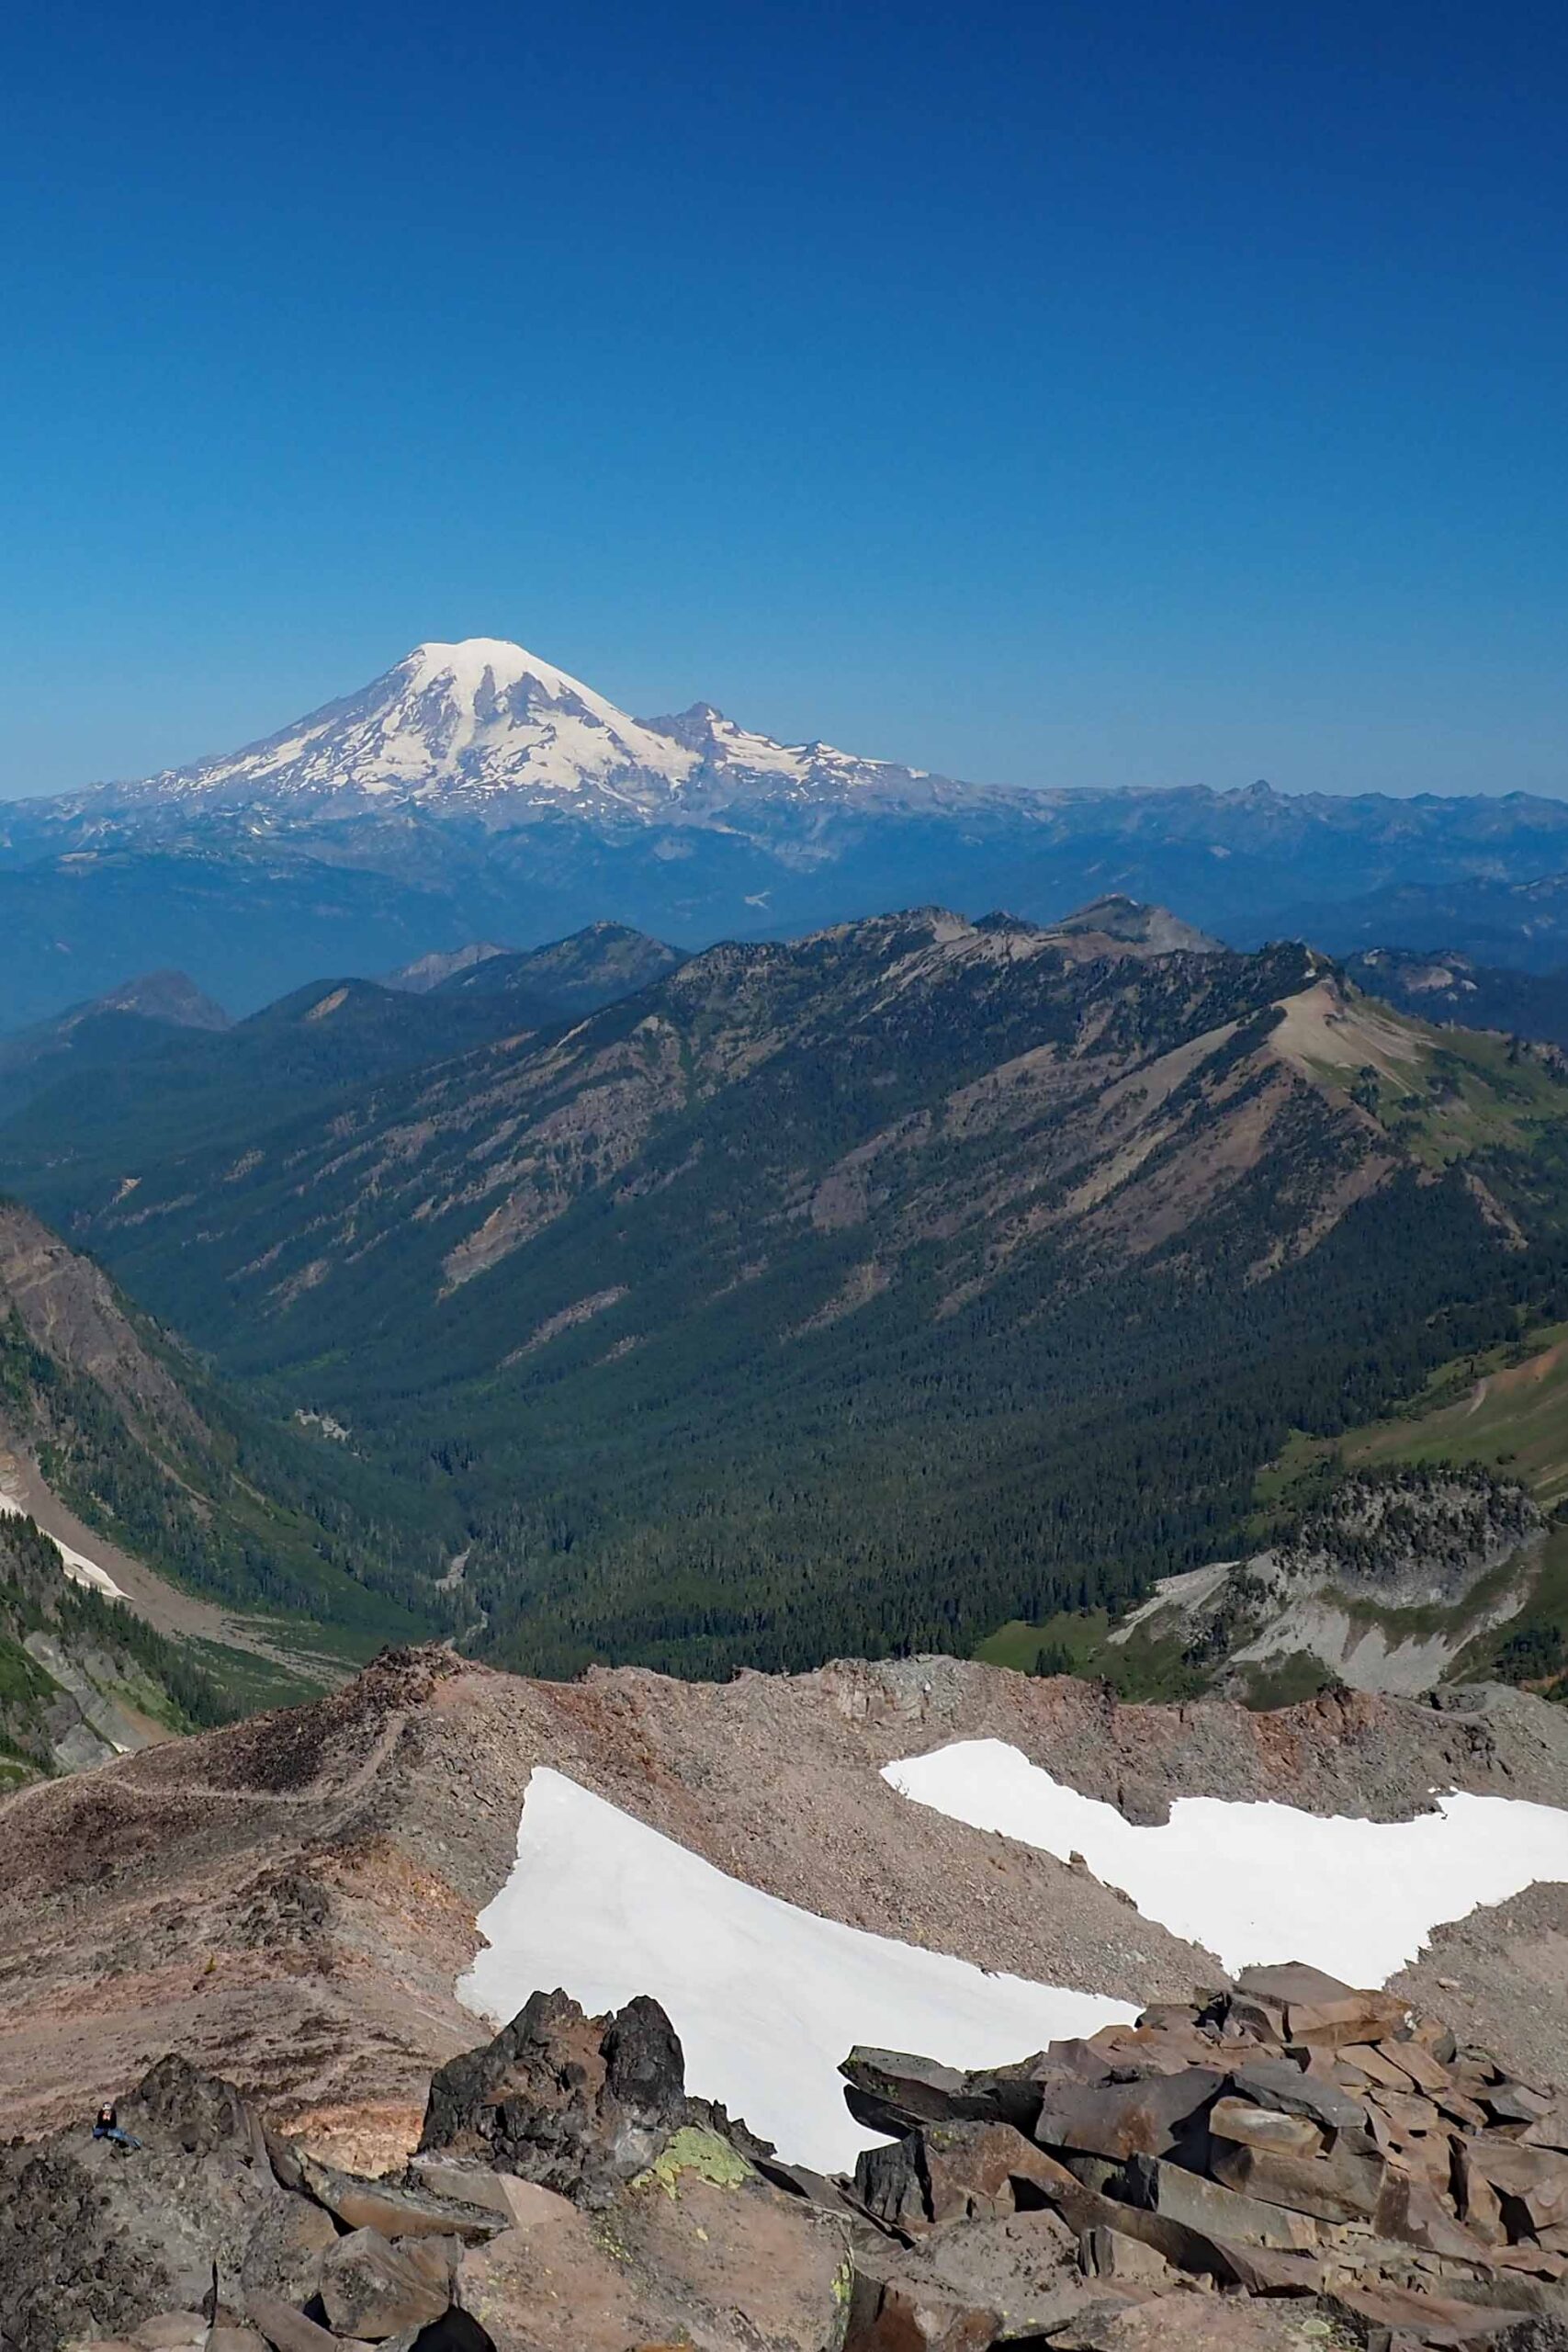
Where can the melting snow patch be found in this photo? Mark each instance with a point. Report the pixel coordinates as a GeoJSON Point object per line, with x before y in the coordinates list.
{"type": "Point", "coordinates": [78, 1568]}
{"type": "Point", "coordinates": [1260, 1883]}
{"type": "Point", "coordinates": [766, 1998]}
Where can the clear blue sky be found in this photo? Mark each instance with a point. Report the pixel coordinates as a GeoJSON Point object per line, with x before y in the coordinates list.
{"type": "Point", "coordinates": [1071, 393]}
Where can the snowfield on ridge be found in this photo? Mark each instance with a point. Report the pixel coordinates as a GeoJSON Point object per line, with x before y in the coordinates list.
{"type": "Point", "coordinates": [767, 1998]}
{"type": "Point", "coordinates": [1262, 1882]}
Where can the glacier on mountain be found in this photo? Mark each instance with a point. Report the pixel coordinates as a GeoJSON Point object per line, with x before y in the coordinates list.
{"type": "Point", "coordinates": [487, 724]}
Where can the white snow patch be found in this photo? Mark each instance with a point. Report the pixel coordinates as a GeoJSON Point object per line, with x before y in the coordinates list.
{"type": "Point", "coordinates": [77, 1566]}
{"type": "Point", "coordinates": [765, 1997]}
{"type": "Point", "coordinates": [1260, 1883]}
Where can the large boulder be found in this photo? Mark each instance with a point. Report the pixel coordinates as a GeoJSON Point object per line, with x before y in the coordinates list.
{"type": "Point", "coordinates": [64, 2269]}
{"type": "Point", "coordinates": [949, 2172]}
{"type": "Point", "coordinates": [176, 2106]}
{"type": "Point", "coordinates": [1022, 2271]}
{"type": "Point", "coordinates": [578, 2104]}
{"type": "Point", "coordinates": [283, 2255]}
{"type": "Point", "coordinates": [1147, 2116]}
{"type": "Point", "coordinates": [286, 2329]}
{"type": "Point", "coordinates": [371, 2288]}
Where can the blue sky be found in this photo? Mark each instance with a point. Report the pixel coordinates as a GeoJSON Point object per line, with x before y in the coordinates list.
{"type": "Point", "coordinates": [1051, 394]}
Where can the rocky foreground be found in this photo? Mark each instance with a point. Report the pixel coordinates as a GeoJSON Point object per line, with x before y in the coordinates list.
{"type": "Point", "coordinates": [1287, 2164]}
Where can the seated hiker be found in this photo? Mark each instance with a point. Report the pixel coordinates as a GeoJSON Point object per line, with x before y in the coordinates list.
{"type": "Point", "coordinates": [107, 2126]}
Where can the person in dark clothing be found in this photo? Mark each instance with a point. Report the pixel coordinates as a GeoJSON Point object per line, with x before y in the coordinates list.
{"type": "Point", "coordinates": [107, 2126]}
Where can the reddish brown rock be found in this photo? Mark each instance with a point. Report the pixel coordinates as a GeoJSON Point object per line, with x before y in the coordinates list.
{"type": "Point", "coordinates": [1352, 2018]}
{"type": "Point", "coordinates": [1434, 2320]}
{"type": "Point", "coordinates": [1478, 2206]}
{"type": "Point", "coordinates": [1409, 2210]}
{"type": "Point", "coordinates": [1119, 2119]}
{"type": "Point", "coordinates": [1290, 1981]}
{"type": "Point", "coordinates": [287, 2248]}
{"type": "Point", "coordinates": [396, 2213]}
{"type": "Point", "coordinates": [1111, 2254]}
{"type": "Point", "coordinates": [1373, 2066]}
{"type": "Point", "coordinates": [1535, 2179]}
{"type": "Point", "coordinates": [949, 2172]}
{"type": "Point", "coordinates": [897, 2316]}
{"type": "Point", "coordinates": [1195, 2204]}
{"type": "Point", "coordinates": [1277, 2082]}
{"type": "Point", "coordinates": [675, 2258]}
{"type": "Point", "coordinates": [1423, 2065]}
{"type": "Point", "coordinates": [1341, 2185]}
{"type": "Point", "coordinates": [1186, 2321]}
{"type": "Point", "coordinates": [286, 2329]}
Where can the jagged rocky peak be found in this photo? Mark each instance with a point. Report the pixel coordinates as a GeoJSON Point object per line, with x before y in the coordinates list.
{"type": "Point", "coordinates": [429, 971]}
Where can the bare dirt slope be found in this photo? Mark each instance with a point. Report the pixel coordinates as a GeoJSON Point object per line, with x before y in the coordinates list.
{"type": "Point", "coordinates": [293, 1899]}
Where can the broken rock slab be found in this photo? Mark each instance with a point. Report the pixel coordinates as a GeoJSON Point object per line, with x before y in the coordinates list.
{"type": "Point", "coordinates": [1024, 2268]}
{"type": "Point", "coordinates": [1278, 2082]}
{"type": "Point", "coordinates": [517, 2203]}
{"type": "Point", "coordinates": [287, 2329]}
{"type": "Point", "coordinates": [1265, 2127]}
{"type": "Point", "coordinates": [951, 2172]}
{"type": "Point", "coordinates": [1206, 2207]}
{"type": "Point", "coordinates": [1341, 2185]}
{"type": "Point", "coordinates": [895, 2092]}
{"type": "Point", "coordinates": [1119, 2119]}
{"type": "Point", "coordinates": [396, 2213]}
{"type": "Point", "coordinates": [286, 2249]}
{"type": "Point", "coordinates": [901, 2315]}
{"type": "Point", "coordinates": [371, 2288]}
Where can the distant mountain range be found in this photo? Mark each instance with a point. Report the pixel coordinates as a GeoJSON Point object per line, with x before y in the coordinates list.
{"type": "Point", "coordinates": [477, 792]}
{"type": "Point", "coordinates": [156, 1059]}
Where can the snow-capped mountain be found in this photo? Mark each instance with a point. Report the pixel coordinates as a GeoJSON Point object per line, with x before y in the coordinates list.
{"type": "Point", "coordinates": [487, 728]}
